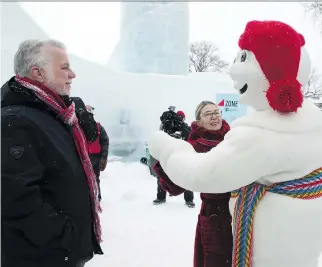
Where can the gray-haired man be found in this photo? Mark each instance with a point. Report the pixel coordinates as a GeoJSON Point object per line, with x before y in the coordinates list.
{"type": "Point", "coordinates": [49, 207]}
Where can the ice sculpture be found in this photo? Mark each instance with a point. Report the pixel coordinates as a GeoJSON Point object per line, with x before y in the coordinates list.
{"type": "Point", "coordinates": [154, 38]}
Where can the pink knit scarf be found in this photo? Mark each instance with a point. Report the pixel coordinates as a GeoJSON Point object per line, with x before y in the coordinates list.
{"type": "Point", "coordinates": [68, 116]}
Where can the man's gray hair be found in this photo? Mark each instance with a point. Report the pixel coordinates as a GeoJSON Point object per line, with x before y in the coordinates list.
{"type": "Point", "coordinates": [29, 54]}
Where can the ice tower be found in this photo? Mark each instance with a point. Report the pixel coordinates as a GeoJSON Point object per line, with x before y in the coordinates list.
{"type": "Point", "coordinates": [154, 38]}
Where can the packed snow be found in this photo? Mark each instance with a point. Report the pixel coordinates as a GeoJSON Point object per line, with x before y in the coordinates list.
{"type": "Point", "coordinates": [138, 233]}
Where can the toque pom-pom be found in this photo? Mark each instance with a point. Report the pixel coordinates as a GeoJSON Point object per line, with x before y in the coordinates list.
{"type": "Point", "coordinates": [302, 40]}
{"type": "Point", "coordinates": [285, 96]}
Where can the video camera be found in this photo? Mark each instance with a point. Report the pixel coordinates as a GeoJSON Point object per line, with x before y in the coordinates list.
{"type": "Point", "coordinates": [171, 121]}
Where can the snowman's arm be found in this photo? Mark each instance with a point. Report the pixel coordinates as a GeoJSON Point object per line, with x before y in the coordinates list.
{"type": "Point", "coordinates": [235, 162]}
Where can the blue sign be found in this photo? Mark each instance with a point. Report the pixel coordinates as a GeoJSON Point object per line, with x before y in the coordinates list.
{"type": "Point", "coordinates": [230, 107]}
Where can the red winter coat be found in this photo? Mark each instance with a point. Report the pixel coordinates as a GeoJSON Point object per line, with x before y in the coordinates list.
{"type": "Point", "coordinates": [214, 240]}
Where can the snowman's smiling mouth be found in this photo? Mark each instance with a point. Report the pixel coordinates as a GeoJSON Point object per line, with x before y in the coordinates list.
{"type": "Point", "coordinates": [243, 89]}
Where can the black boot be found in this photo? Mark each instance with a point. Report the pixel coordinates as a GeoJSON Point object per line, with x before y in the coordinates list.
{"type": "Point", "coordinates": [188, 197]}
{"type": "Point", "coordinates": [190, 204]}
{"type": "Point", "coordinates": [158, 201]}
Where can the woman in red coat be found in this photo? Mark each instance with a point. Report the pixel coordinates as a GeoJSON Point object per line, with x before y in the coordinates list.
{"type": "Point", "coordinates": [213, 241]}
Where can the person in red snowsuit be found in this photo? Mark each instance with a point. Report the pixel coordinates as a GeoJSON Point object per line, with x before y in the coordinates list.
{"type": "Point", "coordinates": [213, 240]}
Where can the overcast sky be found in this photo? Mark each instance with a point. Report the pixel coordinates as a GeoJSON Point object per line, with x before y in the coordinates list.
{"type": "Point", "coordinates": [91, 30]}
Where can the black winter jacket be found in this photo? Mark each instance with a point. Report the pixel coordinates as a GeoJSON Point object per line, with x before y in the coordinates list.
{"type": "Point", "coordinates": [46, 211]}
{"type": "Point", "coordinates": [104, 141]}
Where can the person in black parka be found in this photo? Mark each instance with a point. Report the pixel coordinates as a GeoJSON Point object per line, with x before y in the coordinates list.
{"type": "Point", "coordinates": [98, 150]}
{"type": "Point", "coordinates": [96, 136]}
{"type": "Point", "coordinates": [178, 129]}
{"type": "Point", "coordinates": [48, 205]}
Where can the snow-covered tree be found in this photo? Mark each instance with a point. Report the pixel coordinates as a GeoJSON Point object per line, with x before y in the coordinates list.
{"type": "Point", "coordinates": [204, 57]}
{"type": "Point", "coordinates": [315, 9]}
{"type": "Point", "coordinates": [313, 90]}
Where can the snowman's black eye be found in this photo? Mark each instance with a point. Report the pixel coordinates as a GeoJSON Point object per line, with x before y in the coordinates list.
{"type": "Point", "coordinates": [243, 56]}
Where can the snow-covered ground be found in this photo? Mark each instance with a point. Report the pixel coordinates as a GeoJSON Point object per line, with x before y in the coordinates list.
{"type": "Point", "coordinates": [137, 233]}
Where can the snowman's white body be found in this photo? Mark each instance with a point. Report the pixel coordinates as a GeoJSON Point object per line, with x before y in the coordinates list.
{"type": "Point", "coordinates": [287, 231]}
{"type": "Point", "coordinates": [266, 147]}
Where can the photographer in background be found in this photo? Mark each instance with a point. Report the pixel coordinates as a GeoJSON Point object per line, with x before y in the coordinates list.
{"type": "Point", "coordinates": [98, 151]}
{"type": "Point", "coordinates": [97, 138]}
{"type": "Point", "coordinates": [174, 124]}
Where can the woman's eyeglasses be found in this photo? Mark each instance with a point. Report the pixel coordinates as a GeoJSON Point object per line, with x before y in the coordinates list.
{"type": "Point", "coordinates": [208, 115]}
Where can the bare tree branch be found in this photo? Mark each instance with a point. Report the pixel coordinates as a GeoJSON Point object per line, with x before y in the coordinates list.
{"type": "Point", "coordinates": [203, 57]}
{"type": "Point", "coordinates": [315, 9]}
{"type": "Point", "coordinates": [313, 89]}
{"type": "Point", "coordinates": [319, 105]}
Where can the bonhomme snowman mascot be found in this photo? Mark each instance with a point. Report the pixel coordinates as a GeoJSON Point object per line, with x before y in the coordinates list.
{"type": "Point", "coordinates": [271, 160]}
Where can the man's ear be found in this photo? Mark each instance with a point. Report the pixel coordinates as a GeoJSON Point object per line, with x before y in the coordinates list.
{"type": "Point", "coordinates": [37, 74]}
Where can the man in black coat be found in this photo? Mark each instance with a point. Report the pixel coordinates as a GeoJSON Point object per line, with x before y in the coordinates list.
{"type": "Point", "coordinates": [47, 205]}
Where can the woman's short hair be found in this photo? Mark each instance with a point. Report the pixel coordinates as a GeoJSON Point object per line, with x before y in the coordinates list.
{"type": "Point", "coordinates": [200, 107]}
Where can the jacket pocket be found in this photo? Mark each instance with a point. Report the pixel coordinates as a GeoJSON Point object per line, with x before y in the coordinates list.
{"type": "Point", "coordinates": [216, 234]}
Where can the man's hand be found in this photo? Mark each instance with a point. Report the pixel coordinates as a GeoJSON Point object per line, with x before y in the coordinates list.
{"type": "Point", "coordinates": [102, 164]}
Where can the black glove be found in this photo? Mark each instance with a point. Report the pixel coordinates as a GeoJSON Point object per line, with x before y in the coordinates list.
{"type": "Point", "coordinates": [88, 124]}
{"type": "Point", "coordinates": [102, 164]}
{"type": "Point", "coordinates": [185, 131]}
